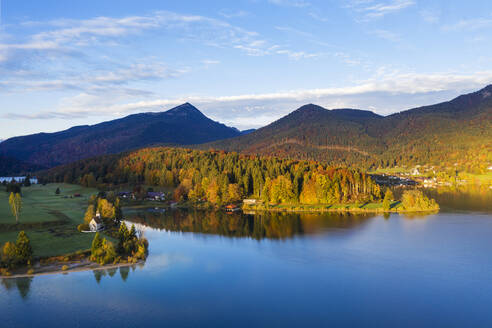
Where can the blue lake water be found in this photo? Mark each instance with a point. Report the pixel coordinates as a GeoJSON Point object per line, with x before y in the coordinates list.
{"type": "Point", "coordinates": [18, 179]}
{"type": "Point", "coordinates": [218, 270]}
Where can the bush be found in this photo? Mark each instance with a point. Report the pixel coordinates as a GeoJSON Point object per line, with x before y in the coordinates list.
{"type": "Point", "coordinates": [83, 227]}
{"type": "Point", "coordinates": [64, 268]}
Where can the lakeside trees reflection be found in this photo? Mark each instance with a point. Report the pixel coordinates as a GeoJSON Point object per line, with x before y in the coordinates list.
{"type": "Point", "coordinates": [23, 284]}
{"type": "Point", "coordinates": [264, 225]}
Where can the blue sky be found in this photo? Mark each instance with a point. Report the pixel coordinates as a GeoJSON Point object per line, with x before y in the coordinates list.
{"type": "Point", "coordinates": [244, 63]}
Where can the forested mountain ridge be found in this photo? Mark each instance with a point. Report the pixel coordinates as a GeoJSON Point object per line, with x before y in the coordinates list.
{"type": "Point", "coordinates": [457, 133]}
{"type": "Point", "coordinates": [8, 164]}
{"type": "Point", "coordinates": [181, 125]}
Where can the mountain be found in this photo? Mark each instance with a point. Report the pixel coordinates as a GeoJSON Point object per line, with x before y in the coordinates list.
{"type": "Point", "coordinates": [244, 132]}
{"type": "Point", "coordinates": [12, 166]}
{"type": "Point", "coordinates": [453, 133]}
{"type": "Point", "coordinates": [181, 125]}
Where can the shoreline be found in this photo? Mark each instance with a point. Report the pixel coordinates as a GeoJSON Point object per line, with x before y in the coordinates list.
{"type": "Point", "coordinates": [78, 267]}
{"type": "Point", "coordinates": [320, 209]}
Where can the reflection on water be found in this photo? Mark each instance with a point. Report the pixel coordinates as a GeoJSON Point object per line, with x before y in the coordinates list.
{"type": "Point", "coordinates": [21, 284]}
{"type": "Point", "coordinates": [463, 198]}
{"type": "Point", "coordinates": [265, 225]}
{"type": "Point", "coordinates": [278, 269]}
{"type": "Point", "coordinates": [259, 226]}
{"type": "Point", "coordinates": [111, 272]}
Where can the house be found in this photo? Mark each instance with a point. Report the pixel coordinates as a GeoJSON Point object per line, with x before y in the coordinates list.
{"type": "Point", "coordinates": [151, 195]}
{"type": "Point", "coordinates": [250, 201]}
{"type": "Point", "coordinates": [490, 168]}
{"type": "Point", "coordinates": [96, 224]}
{"type": "Point", "coordinates": [125, 194]}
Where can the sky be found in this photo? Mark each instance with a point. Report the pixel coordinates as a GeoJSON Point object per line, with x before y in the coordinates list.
{"type": "Point", "coordinates": [244, 63]}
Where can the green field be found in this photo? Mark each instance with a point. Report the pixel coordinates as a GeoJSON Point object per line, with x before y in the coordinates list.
{"type": "Point", "coordinates": [49, 220]}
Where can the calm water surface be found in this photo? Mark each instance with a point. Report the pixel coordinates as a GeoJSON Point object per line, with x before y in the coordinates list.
{"type": "Point", "coordinates": [213, 269]}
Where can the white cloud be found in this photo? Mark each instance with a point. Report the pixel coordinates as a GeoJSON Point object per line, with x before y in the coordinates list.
{"type": "Point", "coordinates": [94, 80]}
{"type": "Point", "coordinates": [386, 35]}
{"type": "Point", "coordinates": [371, 9]}
{"type": "Point", "coordinates": [430, 16]}
{"type": "Point", "coordinates": [469, 24]}
{"type": "Point", "coordinates": [290, 3]}
{"type": "Point", "coordinates": [383, 94]}
{"type": "Point", "coordinates": [208, 62]}
{"type": "Point", "coordinates": [68, 39]}
{"type": "Point", "coordinates": [233, 14]}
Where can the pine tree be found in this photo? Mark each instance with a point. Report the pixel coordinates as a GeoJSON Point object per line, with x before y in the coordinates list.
{"type": "Point", "coordinates": [388, 197]}
{"type": "Point", "coordinates": [96, 244]}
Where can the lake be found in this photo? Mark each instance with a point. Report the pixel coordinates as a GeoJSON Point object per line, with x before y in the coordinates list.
{"type": "Point", "coordinates": [18, 179]}
{"type": "Point", "coordinates": [280, 270]}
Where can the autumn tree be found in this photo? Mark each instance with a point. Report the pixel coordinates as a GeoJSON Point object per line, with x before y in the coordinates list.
{"type": "Point", "coordinates": [388, 197]}
{"type": "Point", "coordinates": [15, 201]}
{"type": "Point", "coordinates": [105, 208]}
{"type": "Point", "coordinates": [9, 255]}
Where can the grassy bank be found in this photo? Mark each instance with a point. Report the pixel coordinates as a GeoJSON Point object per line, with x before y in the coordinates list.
{"type": "Point", "coordinates": [49, 220]}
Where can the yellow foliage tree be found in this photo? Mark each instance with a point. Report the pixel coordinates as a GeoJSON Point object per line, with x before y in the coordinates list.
{"type": "Point", "coordinates": [105, 208]}
{"type": "Point", "coordinates": [15, 201]}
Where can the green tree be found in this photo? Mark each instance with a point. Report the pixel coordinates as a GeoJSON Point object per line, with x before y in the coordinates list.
{"type": "Point", "coordinates": [15, 201]}
{"type": "Point", "coordinates": [57, 191]}
{"type": "Point", "coordinates": [388, 197]}
{"type": "Point", "coordinates": [23, 248]}
{"type": "Point", "coordinates": [96, 244]}
{"type": "Point", "coordinates": [27, 181]}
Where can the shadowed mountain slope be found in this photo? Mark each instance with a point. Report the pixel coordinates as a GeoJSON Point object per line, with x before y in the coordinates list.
{"type": "Point", "coordinates": [178, 126]}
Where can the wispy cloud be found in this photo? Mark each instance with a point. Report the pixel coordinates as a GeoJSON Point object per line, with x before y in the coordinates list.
{"type": "Point", "coordinates": [372, 9]}
{"type": "Point", "coordinates": [72, 38]}
{"type": "Point", "coordinates": [93, 79]}
{"type": "Point", "coordinates": [386, 35]}
{"type": "Point", "coordinates": [233, 14]}
{"type": "Point", "coordinates": [430, 16]}
{"type": "Point", "coordinates": [379, 94]}
{"type": "Point", "coordinates": [290, 3]}
{"type": "Point", "coordinates": [469, 24]}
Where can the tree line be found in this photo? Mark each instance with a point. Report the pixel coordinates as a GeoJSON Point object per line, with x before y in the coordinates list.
{"type": "Point", "coordinates": [220, 177]}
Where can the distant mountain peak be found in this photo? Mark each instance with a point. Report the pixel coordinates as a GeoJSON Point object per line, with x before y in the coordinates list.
{"type": "Point", "coordinates": [310, 108]}
{"type": "Point", "coordinates": [185, 109]}
{"type": "Point", "coordinates": [182, 125]}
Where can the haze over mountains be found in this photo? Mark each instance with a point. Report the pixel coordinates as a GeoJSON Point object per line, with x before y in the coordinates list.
{"type": "Point", "coordinates": [453, 133]}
